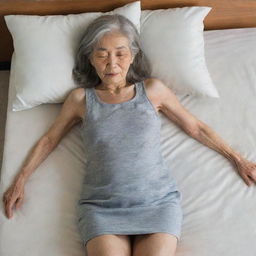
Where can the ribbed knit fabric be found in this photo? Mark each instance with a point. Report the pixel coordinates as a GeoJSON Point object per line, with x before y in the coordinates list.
{"type": "Point", "coordinates": [127, 187]}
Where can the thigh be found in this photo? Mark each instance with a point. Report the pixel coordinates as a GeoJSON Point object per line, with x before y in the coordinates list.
{"type": "Point", "coordinates": [109, 245]}
{"type": "Point", "coordinates": [155, 244]}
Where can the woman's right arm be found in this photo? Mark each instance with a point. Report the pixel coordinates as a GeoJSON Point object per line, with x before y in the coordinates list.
{"type": "Point", "coordinates": [67, 118]}
{"type": "Point", "coordinates": [69, 115]}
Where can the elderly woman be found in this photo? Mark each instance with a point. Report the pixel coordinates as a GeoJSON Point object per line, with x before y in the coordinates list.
{"type": "Point", "coordinates": [130, 203]}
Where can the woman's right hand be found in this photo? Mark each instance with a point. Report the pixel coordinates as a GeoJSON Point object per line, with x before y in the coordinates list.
{"type": "Point", "coordinates": [13, 196]}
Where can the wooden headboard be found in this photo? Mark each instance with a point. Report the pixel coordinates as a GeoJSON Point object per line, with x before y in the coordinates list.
{"type": "Point", "coordinates": [225, 13]}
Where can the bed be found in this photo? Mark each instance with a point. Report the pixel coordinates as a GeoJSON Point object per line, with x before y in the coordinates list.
{"type": "Point", "coordinates": [219, 208]}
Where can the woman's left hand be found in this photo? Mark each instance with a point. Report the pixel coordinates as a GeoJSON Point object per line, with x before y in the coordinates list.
{"type": "Point", "coordinates": [247, 170]}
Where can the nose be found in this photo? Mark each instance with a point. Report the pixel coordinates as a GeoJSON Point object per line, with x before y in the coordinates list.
{"type": "Point", "coordinates": [112, 60]}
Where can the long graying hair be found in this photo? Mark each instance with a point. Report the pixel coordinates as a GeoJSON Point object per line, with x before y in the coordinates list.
{"type": "Point", "coordinates": [85, 74]}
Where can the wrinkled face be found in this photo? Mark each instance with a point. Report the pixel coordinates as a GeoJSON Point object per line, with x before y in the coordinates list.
{"type": "Point", "coordinates": [111, 58]}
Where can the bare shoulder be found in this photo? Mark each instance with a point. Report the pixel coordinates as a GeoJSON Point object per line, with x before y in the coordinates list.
{"type": "Point", "coordinates": [156, 85]}
{"type": "Point", "coordinates": [77, 98]}
{"type": "Point", "coordinates": [70, 114]}
{"type": "Point", "coordinates": [155, 90]}
{"type": "Point", "coordinates": [77, 94]}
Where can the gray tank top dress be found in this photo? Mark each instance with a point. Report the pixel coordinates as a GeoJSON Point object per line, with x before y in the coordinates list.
{"type": "Point", "coordinates": [127, 187]}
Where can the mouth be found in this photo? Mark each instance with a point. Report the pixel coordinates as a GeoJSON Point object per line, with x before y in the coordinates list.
{"type": "Point", "coordinates": [111, 74]}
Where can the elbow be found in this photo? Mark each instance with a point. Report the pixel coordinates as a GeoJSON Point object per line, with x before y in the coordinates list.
{"type": "Point", "coordinates": [46, 141]}
{"type": "Point", "coordinates": [195, 130]}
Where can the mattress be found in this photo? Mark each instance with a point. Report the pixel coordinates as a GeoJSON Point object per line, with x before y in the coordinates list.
{"type": "Point", "coordinates": [219, 208]}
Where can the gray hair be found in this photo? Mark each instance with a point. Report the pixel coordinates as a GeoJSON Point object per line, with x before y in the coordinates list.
{"type": "Point", "coordinates": [85, 74]}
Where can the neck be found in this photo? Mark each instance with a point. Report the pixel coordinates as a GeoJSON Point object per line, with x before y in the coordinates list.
{"type": "Point", "coordinates": [113, 88]}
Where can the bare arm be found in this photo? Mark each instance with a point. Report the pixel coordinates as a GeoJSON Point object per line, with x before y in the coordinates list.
{"type": "Point", "coordinates": [245, 168]}
{"type": "Point", "coordinates": [198, 130]}
{"type": "Point", "coordinates": [68, 117]}
{"type": "Point", "coordinates": [35, 157]}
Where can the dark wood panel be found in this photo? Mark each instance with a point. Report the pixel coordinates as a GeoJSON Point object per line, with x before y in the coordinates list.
{"type": "Point", "coordinates": [225, 13]}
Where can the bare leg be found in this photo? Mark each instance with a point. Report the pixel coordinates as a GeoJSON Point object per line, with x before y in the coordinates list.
{"type": "Point", "coordinates": [155, 244]}
{"type": "Point", "coordinates": [109, 245]}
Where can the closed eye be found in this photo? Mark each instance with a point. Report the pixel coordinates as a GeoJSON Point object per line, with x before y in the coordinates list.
{"type": "Point", "coordinates": [107, 56]}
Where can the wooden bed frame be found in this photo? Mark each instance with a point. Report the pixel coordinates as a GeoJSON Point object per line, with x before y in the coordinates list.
{"type": "Point", "coordinates": [225, 13]}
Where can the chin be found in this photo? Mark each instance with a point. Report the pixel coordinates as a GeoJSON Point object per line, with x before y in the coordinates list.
{"type": "Point", "coordinates": [114, 78]}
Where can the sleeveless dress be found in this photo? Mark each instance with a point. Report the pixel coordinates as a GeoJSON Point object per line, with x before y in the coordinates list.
{"type": "Point", "coordinates": [127, 187]}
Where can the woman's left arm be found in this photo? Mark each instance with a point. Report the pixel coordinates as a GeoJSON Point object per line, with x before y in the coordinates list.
{"type": "Point", "coordinates": [245, 168]}
{"type": "Point", "coordinates": [198, 130]}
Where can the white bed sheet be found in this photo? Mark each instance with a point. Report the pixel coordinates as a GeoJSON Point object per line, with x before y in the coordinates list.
{"type": "Point", "coordinates": [219, 208]}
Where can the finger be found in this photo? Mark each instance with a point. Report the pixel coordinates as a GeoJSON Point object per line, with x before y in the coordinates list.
{"type": "Point", "coordinates": [247, 180]}
{"type": "Point", "coordinates": [252, 175]}
{"type": "Point", "coordinates": [252, 179]}
{"type": "Point", "coordinates": [19, 202]}
{"type": "Point", "coordinates": [9, 209]}
{"type": "Point", "coordinates": [244, 177]}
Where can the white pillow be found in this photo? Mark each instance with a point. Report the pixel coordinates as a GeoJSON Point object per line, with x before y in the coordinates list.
{"type": "Point", "coordinates": [45, 48]}
{"type": "Point", "coordinates": [174, 43]}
